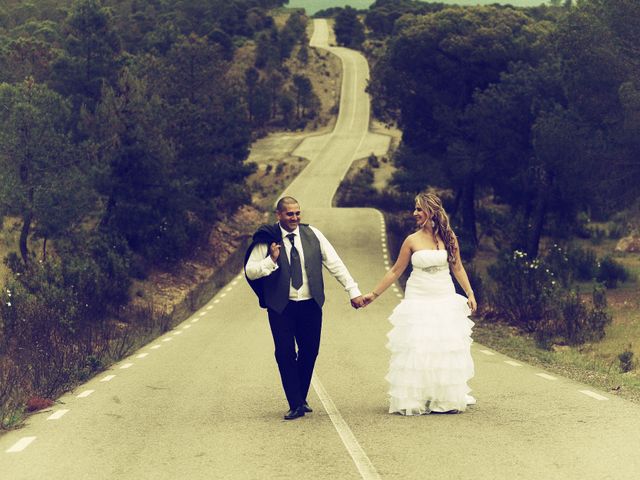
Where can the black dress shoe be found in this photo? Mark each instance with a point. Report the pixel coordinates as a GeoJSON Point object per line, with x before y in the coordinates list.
{"type": "Point", "coordinates": [294, 413]}
{"type": "Point", "coordinates": [307, 408]}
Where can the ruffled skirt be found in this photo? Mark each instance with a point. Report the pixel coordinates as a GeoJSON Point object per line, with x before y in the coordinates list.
{"type": "Point", "coordinates": [430, 345]}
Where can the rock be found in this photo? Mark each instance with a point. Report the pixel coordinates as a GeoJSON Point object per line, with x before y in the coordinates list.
{"type": "Point", "coordinates": [629, 244]}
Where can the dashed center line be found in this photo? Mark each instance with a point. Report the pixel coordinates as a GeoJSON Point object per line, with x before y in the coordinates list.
{"type": "Point", "coordinates": [546, 376]}
{"type": "Point", "coordinates": [155, 347]}
{"type": "Point", "coordinates": [209, 307]}
{"type": "Point", "coordinates": [177, 333]}
{"type": "Point", "coordinates": [85, 394]}
{"type": "Point", "coordinates": [108, 378]}
{"type": "Point", "coordinates": [142, 355]}
{"type": "Point", "coordinates": [195, 320]}
{"type": "Point", "coordinates": [217, 300]}
{"type": "Point", "coordinates": [186, 327]}
{"type": "Point", "coordinates": [487, 352]}
{"type": "Point", "coordinates": [126, 365]}
{"type": "Point", "coordinates": [167, 339]}
{"type": "Point", "coordinates": [202, 314]}
{"type": "Point", "coordinates": [512, 363]}
{"type": "Point", "coordinates": [21, 444]}
{"type": "Point", "coordinates": [57, 415]}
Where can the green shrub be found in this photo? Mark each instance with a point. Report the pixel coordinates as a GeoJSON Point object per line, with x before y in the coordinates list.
{"type": "Point", "coordinates": [611, 272]}
{"type": "Point", "coordinates": [626, 360]}
{"type": "Point", "coordinates": [524, 290]}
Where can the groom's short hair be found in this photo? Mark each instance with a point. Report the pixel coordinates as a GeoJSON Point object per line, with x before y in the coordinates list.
{"type": "Point", "coordinates": [285, 201]}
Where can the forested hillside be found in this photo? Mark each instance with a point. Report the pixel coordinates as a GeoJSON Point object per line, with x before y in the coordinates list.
{"type": "Point", "coordinates": [124, 130]}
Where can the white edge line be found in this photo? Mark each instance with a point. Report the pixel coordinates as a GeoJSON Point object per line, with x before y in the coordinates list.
{"type": "Point", "coordinates": [595, 395]}
{"type": "Point", "coordinates": [57, 415]}
{"type": "Point", "coordinates": [363, 464]}
{"type": "Point", "coordinates": [21, 444]}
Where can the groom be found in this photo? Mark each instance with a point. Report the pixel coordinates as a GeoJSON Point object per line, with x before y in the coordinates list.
{"type": "Point", "coordinates": [284, 267]}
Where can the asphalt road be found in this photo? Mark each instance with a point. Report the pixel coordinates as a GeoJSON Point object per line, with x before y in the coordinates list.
{"type": "Point", "coordinates": [205, 402]}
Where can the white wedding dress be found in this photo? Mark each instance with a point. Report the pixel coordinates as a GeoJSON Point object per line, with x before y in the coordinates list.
{"type": "Point", "coordinates": [430, 342]}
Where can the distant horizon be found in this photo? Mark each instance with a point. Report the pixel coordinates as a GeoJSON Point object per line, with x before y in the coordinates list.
{"type": "Point", "coordinates": [312, 6]}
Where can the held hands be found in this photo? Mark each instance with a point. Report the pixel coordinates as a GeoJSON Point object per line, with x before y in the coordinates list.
{"type": "Point", "coordinates": [357, 302]}
{"type": "Point", "coordinates": [363, 300]}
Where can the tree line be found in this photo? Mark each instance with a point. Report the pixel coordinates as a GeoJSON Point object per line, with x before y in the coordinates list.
{"type": "Point", "coordinates": [536, 107]}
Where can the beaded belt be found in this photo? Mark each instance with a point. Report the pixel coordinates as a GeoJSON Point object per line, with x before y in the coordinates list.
{"type": "Point", "coordinates": [434, 268]}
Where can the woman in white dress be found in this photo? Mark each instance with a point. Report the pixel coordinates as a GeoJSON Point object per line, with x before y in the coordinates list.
{"type": "Point", "coordinates": [430, 341]}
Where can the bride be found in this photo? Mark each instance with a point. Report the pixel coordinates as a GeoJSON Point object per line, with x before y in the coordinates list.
{"type": "Point", "coordinates": [430, 340]}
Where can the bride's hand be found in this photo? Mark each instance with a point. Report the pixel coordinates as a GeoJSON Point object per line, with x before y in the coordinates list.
{"type": "Point", "coordinates": [471, 301]}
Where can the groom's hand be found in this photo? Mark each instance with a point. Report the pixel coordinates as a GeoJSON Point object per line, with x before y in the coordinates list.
{"type": "Point", "coordinates": [357, 302]}
{"type": "Point", "coordinates": [274, 251]}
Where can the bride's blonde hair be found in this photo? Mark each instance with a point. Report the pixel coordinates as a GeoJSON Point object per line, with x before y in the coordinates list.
{"type": "Point", "coordinates": [432, 206]}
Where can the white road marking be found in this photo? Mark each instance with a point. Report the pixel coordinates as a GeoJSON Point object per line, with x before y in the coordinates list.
{"type": "Point", "coordinates": [142, 355]}
{"type": "Point", "coordinates": [186, 327]}
{"type": "Point", "coordinates": [487, 352]}
{"type": "Point", "coordinates": [195, 320]}
{"type": "Point", "coordinates": [512, 363]}
{"type": "Point", "coordinates": [223, 295]}
{"type": "Point", "coordinates": [217, 300]}
{"type": "Point", "coordinates": [595, 395]}
{"type": "Point", "coordinates": [126, 365]}
{"type": "Point", "coordinates": [85, 394]}
{"type": "Point", "coordinates": [363, 464]}
{"type": "Point", "coordinates": [155, 347]}
{"type": "Point", "coordinates": [177, 333]}
{"type": "Point", "coordinates": [167, 339]}
{"type": "Point", "coordinates": [202, 314]}
{"type": "Point", "coordinates": [209, 307]}
{"type": "Point", "coordinates": [546, 376]}
{"type": "Point", "coordinates": [57, 415]}
{"type": "Point", "coordinates": [108, 378]}
{"type": "Point", "coordinates": [385, 256]}
{"type": "Point", "coordinates": [229, 289]}
{"type": "Point", "coordinates": [21, 444]}
{"type": "Point", "coordinates": [234, 283]}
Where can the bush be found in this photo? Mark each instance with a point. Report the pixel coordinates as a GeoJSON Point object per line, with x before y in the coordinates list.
{"type": "Point", "coordinates": [611, 272]}
{"type": "Point", "coordinates": [373, 161]}
{"type": "Point", "coordinates": [580, 322]}
{"type": "Point", "coordinates": [626, 360]}
{"type": "Point", "coordinates": [525, 290]}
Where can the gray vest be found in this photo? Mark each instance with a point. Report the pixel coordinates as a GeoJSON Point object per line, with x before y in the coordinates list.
{"type": "Point", "coordinates": [276, 286]}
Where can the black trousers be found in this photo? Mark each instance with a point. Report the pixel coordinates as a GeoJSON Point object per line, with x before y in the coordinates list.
{"type": "Point", "coordinates": [299, 324]}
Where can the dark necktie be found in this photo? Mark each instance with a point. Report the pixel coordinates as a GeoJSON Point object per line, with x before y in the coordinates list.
{"type": "Point", "coordinates": [296, 267]}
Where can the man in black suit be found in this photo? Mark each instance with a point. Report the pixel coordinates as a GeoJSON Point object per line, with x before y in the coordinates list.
{"type": "Point", "coordinates": [284, 266]}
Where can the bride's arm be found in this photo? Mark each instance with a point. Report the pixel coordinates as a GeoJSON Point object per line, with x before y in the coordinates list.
{"type": "Point", "coordinates": [463, 279]}
{"type": "Point", "coordinates": [404, 257]}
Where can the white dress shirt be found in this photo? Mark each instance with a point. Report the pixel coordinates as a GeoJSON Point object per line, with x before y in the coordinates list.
{"type": "Point", "coordinates": [260, 264]}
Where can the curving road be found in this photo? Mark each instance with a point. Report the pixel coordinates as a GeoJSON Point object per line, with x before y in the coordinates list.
{"type": "Point", "coordinates": [204, 401]}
